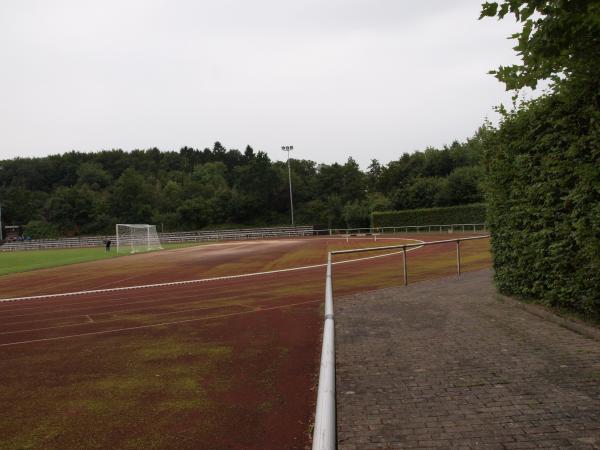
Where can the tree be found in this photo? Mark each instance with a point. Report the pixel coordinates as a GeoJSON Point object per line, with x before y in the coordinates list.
{"type": "Point", "coordinates": [421, 193]}
{"type": "Point", "coordinates": [93, 175]}
{"type": "Point", "coordinates": [559, 41]}
{"type": "Point", "coordinates": [257, 182]}
{"type": "Point", "coordinates": [462, 186]}
{"type": "Point", "coordinates": [353, 184]}
{"type": "Point", "coordinates": [249, 153]}
{"type": "Point", "coordinates": [132, 198]}
{"type": "Point", "coordinates": [74, 210]}
{"type": "Point", "coordinates": [20, 205]}
{"type": "Point", "coordinates": [218, 148]}
{"type": "Point", "coordinates": [40, 229]}
{"type": "Point", "coordinates": [211, 177]}
{"type": "Point", "coordinates": [357, 214]}
{"type": "Point", "coordinates": [437, 163]}
{"type": "Point", "coordinates": [334, 209]}
{"type": "Point", "coordinates": [374, 174]}
{"type": "Point", "coordinates": [194, 213]}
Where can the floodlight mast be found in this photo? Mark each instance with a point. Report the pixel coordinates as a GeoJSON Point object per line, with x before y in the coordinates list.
{"type": "Point", "coordinates": [288, 149]}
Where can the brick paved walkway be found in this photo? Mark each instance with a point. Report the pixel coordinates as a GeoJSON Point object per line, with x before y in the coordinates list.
{"type": "Point", "coordinates": [445, 364]}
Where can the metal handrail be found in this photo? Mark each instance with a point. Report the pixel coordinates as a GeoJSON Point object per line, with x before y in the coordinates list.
{"type": "Point", "coordinates": [325, 435]}
{"type": "Point", "coordinates": [392, 247]}
{"type": "Point", "coordinates": [406, 228]}
{"type": "Point", "coordinates": [325, 430]}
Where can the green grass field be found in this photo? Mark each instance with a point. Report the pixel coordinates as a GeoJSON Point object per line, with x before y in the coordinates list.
{"type": "Point", "coordinates": [24, 261]}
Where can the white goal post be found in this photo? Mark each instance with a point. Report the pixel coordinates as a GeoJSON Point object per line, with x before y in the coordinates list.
{"type": "Point", "coordinates": [135, 237]}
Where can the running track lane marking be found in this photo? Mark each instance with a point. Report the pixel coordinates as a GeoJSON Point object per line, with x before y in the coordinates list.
{"type": "Point", "coordinates": [202, 280]}
{"type": "Point", "coordinates": [246, 242]}
{"type": "Point", "coordinates": [139, 327]}
{"type": "Point", "coordinates": [103, 322]}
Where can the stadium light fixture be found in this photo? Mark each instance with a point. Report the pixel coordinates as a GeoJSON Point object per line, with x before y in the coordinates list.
{"type": "Point", "coordinates": [288, 149]}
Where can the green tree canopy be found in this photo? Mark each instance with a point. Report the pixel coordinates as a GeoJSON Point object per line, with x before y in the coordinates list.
{"type": "Point", "coordinates": [559, 40]}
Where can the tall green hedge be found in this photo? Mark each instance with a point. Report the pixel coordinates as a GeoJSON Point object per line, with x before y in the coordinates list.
{"type": "Point", "coordinates": [474, 213]}
{"type": "Point", "coordinates": [543, 196]}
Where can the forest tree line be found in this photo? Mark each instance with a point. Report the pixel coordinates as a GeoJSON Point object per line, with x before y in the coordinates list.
{"type": "Point", "coordinates": [80, 193]}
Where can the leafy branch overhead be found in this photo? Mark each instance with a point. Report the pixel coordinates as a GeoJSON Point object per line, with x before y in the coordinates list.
{"type": "Point", "coordinates": [559, 40]}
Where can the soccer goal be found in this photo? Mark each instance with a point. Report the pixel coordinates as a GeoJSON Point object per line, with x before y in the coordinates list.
{"type": "Point", "coordinates": [135, 238]}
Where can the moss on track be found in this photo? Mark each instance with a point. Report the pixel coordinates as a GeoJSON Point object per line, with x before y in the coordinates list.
{"type": "Point", "coordinates": [239, 374]}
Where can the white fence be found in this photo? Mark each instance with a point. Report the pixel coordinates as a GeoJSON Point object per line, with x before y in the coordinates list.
{"type": "Point", "coordinates": [450, 228]}
{"type": "Point", "coordinates": [165, 238]}
{"type": "Point", "coordinates": [239, 234]}
{"type": "Point", "coordinates": [325, 431]}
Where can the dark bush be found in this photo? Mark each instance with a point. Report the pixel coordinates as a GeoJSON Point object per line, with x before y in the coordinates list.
{"type": "Point", "coordinates": [543, 196]}
{"type": "Point", "coordinates": [474, 213]}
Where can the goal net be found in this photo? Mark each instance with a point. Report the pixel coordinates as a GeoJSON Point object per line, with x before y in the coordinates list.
{"type": "Point", "coordinates": [135, 238]}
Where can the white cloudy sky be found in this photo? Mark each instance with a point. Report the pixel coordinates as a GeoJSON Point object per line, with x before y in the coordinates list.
{"type": "Point", "coordinates": [366, 78]}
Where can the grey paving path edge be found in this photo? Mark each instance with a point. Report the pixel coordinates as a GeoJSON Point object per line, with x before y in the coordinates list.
{"type": "Point", "coordinates": [445, 364]}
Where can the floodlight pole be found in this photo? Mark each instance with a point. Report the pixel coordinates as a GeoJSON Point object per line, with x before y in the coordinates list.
{"type": "Point", "coordinates": [288, 149]}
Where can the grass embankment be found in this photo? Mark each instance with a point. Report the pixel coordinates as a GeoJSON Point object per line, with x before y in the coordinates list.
{"type": "Point", "coordinates": [27, 260]}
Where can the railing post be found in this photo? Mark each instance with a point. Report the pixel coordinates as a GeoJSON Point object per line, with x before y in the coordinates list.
{"type": "Point", "coordinates": [404, 267]}
{"type": "Point", "coordinates": [458, 256]}
{"type": "Point", "coordinates": [329, 289]}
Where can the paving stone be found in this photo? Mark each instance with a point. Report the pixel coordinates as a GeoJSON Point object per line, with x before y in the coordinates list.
{"type": "Point", "coordinates": [448, 364]}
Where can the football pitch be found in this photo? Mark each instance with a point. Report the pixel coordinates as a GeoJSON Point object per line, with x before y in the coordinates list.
{"type": "Point", "coordinates": [214, 346]}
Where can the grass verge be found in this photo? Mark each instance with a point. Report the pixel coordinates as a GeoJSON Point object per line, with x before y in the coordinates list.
{"type": "Point", "coordinates": [28, 260]}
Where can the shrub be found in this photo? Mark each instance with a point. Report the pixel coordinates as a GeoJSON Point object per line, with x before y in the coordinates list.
{"type": "Point", "coordinates": [543, 196]}
{"type": "Point", "coordinates": [40, 229]}
{"type": "Point", "coordinates": [474, 213]}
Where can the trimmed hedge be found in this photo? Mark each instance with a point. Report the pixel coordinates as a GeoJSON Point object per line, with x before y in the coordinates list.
{"type": "Point", "coordinates": [543, 196]}
{"type": "Point", "coordinates": [474, 213]}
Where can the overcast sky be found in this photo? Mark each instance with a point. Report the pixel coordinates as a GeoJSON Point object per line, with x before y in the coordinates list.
{"type": "Point", "coordinates": [334, 78]}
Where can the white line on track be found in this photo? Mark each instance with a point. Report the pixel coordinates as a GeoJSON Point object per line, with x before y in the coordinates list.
{"type": "Point", "coordinates": [150, 301]}
{"type": "Point", "coordinates": [202, 280]}
{"type": "Point", "coordinates": [122, 319]}
{"type": "Point", "coordinates": [162, 324]}
{"type": "Point", "coordinates": [128, 298]}
{"type": "Point", "coordinates": [156, 298]}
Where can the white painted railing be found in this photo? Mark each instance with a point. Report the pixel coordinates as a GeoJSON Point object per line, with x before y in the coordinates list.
{"type": "Point", "coordinates": [238, 234]}
{"type": "Point", "coordinates": [165, 238]}
{"type": "Point", "coordinates": [325, 436]}
{"type": "Point", "coordinates": [450, 228]}
{"type": "Point", "coordinates": [325, 430]}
